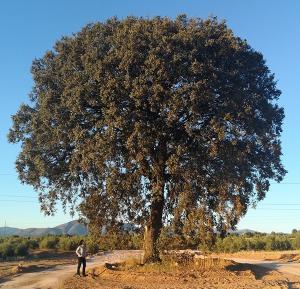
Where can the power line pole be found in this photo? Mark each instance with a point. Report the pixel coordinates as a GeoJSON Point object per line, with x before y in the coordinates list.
{"type": "Point", "coordinates": [4, 228]}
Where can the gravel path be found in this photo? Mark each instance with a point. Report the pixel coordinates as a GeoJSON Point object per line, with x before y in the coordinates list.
{"type": "Point", "coordinates": [53, 278]}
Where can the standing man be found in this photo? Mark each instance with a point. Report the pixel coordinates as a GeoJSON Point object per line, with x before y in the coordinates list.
{"type": "Point", "coordinates": [81, 254]}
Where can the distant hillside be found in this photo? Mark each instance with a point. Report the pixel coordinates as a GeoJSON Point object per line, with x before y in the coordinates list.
{"type": "Point", "coordinates": [75, 228]}
{"type": "Point", "coordinates": [242, 232]}
{"type": "Point", "coordinates": [70, 228]}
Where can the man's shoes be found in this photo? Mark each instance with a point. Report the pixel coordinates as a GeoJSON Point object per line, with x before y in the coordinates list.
{"type": "Point", "coordinates": [78, 275]}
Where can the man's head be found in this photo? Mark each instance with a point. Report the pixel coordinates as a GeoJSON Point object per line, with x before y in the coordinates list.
{"type": "Point", "coordinates": [81, 242]}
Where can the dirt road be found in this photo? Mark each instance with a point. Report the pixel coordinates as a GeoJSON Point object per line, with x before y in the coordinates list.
{"type": "Point", "coordinates": [282, 267]}
{"type": "Point", "coordinates": [53, 278]}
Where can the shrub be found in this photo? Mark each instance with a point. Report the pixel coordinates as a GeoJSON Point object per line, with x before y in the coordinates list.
{"type": "Point", "coordinates": [296, 241]}
{"type": "Point", "coordinates": [119, 241]}
{"type": "Point", "coordinates": [136, 242]}
{"type": "Point", "coordinates": [33, 243]}
{"type": "Point", "coordinates": [278, 243]}
{"type": "Point", "coordinates": [49, 242]}
{"type": "Point", "coordinates": [171, 241]}
{"type": "Point", "coordinates": [21, 250]}
{"type": "Point", "coordinates": [6, 250]}
{"type": "Point", "coordinates": [92, 246]}
{"type": "Point", "coordinates": [68, 243]}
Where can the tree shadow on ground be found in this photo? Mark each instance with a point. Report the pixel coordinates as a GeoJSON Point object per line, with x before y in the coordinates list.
{"type": "Point", "coordinates": [5, 279]}
{"type": "Point", "coordinates": [293, 285]}
{"type": "Point", "coordinates": [258, 271]}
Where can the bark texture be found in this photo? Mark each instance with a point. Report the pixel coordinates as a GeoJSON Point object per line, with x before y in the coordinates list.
{"type": "Point", "coordinates": [152, 231]}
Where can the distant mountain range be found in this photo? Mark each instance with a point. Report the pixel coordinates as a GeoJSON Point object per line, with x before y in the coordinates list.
{"type": "Point", "coordinates": [242, 232]}
{"type": "Point", "coordinates": [70, 228]}
{"type": "Point", "coordinates": [74, 228]}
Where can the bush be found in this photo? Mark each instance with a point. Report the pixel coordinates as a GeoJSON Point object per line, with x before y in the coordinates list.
{"type": "Point", "coordinates": [135, 242]}
{"type": "Point", "coordinates": [49, 242]}
{"type": "Point", "coordinates": [296, 241]}
{"type": "Point", "coordinates": [120, 241]}
{"type": "Point", "coordinates": [6, 250]}
{"type": "Point", "coordinates": [21, 250]}
{"type": "Point", "coordinates": [230, 244]}
{"type": "Point", "coordinates": [92, 246]}
{"type": "Point", "coordinates": [68, 243]}
{"type": "Point", "coordinates": [278, 243]}
{"type": "Point", "coordinates": [33, 244]}
{"type": "Point", "coordinates": [171, 241]}
{"type": "Point", "coordinates": [256, 242]}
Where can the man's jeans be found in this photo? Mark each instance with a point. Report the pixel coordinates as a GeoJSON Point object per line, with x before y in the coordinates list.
{"type": "Point", "coordinates": [81, 260]}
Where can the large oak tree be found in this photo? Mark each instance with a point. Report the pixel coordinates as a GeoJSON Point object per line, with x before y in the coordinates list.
{"type": "Point", "coordinates": [151, 121]}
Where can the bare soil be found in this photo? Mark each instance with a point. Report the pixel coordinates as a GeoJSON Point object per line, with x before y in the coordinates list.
{"type": "Point", "coordinates": [225, 274]}
{"type": "Point", "coordinates": [40, 260]}
{"type": "Point", "coordinates": [57, 269]}
{"type": "Point", "coordinates": [289, 256]}
{"type": "Point", "coordinates": [50, 273]}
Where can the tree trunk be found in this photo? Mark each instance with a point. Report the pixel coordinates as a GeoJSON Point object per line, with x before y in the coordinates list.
{"type": "Point", "coordinates": [153, 229]}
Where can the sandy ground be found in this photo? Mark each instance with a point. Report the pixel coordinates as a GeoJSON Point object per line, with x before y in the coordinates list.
{"type": "Point", "coordinates": [284, 261]}
{"type": "Point", "coordinates": [257, 273]}
{"type": "Point", "coordinates": [55, 276]}
{"type": "Point", "coordinates": [264, 255]}
{"type": "Point", "coordinates": [42, 260]}
{"type": "Point", "coordinates": [231, 276]}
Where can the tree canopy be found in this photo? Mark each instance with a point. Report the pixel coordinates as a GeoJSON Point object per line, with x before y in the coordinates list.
{"type": "Point", "coordinates": [152, 121]}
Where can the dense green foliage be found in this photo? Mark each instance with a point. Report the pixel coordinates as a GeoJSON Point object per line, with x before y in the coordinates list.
{"type": "Point", "coordinates": [67, 243]}
{"type": "Point", "coordinates": [255, 243]}
{"type": "Point", "coordinates": [121, 241]}
{"type": "Point", "coordinates": [49, 242]}
{"type": "Point", "coordinates": [235, 243]}
{"type": "Point", "coordinates": [14, 246]}
{"type": "Point", "coordinates": [147, 119]}
{"type": "Point", "coordinates": [24, 246]}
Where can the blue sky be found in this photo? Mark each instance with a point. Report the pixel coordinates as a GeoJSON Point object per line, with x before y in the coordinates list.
{"type": "Point", "coordinates": [29, 28]}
